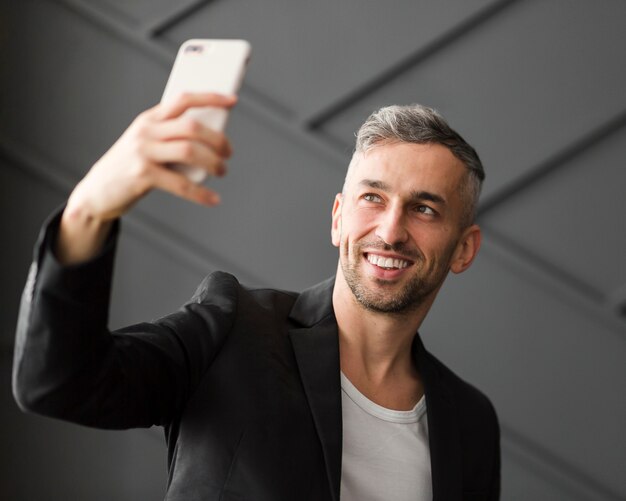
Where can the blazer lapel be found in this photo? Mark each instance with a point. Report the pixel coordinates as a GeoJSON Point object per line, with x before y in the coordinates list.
{"type": "Point", "coordinates": [316, 347]}
{"type": "Point", "coordinates": [443, 429]}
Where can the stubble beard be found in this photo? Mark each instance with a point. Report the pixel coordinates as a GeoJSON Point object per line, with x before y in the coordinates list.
{"type": "Point", "coordinates": [423, 283]}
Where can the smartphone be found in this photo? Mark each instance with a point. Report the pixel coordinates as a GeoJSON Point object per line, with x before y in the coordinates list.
{"type": "Point", "coordinates": [204, 65]}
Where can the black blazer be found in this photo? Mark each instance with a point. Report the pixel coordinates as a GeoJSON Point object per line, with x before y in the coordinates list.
{"type": "Point", "coordinates": [244, 381]}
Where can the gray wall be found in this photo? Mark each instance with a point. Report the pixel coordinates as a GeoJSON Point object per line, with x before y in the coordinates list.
{"type": "Point", "coordinates": [539, 323]}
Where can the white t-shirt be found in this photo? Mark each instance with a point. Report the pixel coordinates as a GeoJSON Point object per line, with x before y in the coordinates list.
{"type": "Point", "coordinates": [385, 452]}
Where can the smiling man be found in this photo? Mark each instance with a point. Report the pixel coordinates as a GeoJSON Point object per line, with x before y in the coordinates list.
{"type": "Point", "coordinates": [268, 395]}
{"type": "Point", "coordinates": [402, 222]}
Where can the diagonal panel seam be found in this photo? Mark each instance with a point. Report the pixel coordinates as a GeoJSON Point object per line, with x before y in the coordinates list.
{"type": "Point", "coordinates": [554, 162]}
{"type": "Point", "coordinates": [553, 468]}
{"type": "Point", "coordinates": [317, 120]}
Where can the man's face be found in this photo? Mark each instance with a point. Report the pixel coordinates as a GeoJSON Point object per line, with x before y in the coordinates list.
{"type": "Point", "coordinates": [398, 225]}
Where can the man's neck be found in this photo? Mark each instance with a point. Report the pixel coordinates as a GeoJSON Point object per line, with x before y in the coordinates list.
{"type": "Point", "coordinates": [375, 349]}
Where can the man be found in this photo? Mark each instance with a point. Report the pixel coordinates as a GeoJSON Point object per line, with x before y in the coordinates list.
{"type": "Point", "coordinates": [265, 394]}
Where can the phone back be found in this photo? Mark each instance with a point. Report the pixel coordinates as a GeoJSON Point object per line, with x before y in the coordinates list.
{"type": "Point", "coordinates": [208, 66]}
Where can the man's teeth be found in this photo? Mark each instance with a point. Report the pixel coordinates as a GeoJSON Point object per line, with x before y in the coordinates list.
{"type": "Point", "coordinates": [387, 262]}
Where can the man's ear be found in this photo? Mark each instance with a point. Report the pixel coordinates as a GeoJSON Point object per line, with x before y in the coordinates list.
{"type": "Point", "coordinates": [466, 250]}
{"type": "Point", "coordinates": [335, 230]}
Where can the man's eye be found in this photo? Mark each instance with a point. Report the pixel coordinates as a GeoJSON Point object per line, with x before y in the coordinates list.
{"type": "Point", "coordinates": [424, 209]}
{"type": "Point", "coordinates": [370, 197]}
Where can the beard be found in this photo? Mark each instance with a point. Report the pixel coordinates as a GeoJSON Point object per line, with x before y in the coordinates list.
{"type": "Point", "coordinates": [387, 298]}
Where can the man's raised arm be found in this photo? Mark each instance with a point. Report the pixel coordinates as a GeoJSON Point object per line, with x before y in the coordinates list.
{"type": "Point", "coordinates": [67, 364]}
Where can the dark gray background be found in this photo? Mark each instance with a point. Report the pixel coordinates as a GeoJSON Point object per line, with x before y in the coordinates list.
{"type": "Point", "coordinates": [538, 323]}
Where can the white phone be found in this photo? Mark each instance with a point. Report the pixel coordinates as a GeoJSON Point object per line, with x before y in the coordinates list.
{"type": "Point", "coordinates": [204, 65]}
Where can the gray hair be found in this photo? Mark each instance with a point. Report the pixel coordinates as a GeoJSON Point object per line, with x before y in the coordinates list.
{"type": "Point", "coordinates": [422, 125]}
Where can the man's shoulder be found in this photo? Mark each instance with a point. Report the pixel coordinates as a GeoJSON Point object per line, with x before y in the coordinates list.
{"type": "Point", "coordinates": [271, 294]}
{"type": "Point", "coordinates": [217, 284]}
{"type": "Point", "coordinates": [225, 287]}
{"type": "Point", "coordinates": [471, 402]}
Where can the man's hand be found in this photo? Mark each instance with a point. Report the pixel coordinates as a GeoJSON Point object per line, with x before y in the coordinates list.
{"type": "Point", "coordinates": [135, 165]}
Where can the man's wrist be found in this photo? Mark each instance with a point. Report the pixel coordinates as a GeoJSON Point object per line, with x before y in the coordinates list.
{"type": "Point", "coordinates": [81, 234]}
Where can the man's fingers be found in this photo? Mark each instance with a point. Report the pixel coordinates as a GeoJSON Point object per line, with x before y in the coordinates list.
{"type": "Point", "coordinates": [186, 152]}
{"type": "Point", "coordinates": [177, 106]}
{"type": "Point", "coordinates": [188, 128]}
{"type": "Point", "coordinates": [176, 183]}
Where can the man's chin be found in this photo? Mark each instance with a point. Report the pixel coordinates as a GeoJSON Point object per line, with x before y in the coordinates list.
{"type": "Point", "coordinates": [386, 296]}
{"type": "Point", "coordinates": [384, 293]}
{"type": "Point", "coordinates": [387, 306]}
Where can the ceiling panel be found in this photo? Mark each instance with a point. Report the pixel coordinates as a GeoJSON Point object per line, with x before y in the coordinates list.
{"type": "Point", "coordinates": [574, 217]}
{"type": "Point", "coordinates": [513, 88]}
{"type": "Point", "coordinates": [83, 91]}
{"type": "Point", "coordinates": [307, 54]}
{"type": "Point", "coordinates": [525, 478]}
{"type": "Point", "coordinates": [138, 12]}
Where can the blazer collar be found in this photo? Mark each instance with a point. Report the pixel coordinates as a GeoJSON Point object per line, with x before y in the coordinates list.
{"type": "Point", "coordinates": [315, 342]}
{"type": "Point", "coordinates": [314, 304]}
{"type": "Point", "coordinates": [444, 435]}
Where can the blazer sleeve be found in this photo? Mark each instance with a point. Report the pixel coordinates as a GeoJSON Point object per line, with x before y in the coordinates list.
{"type": "Point", "coordinates": [68, 365]}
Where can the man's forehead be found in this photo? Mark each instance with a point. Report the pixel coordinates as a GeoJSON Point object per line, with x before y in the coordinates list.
{"type": "Point", "coordinates": [409, 165]}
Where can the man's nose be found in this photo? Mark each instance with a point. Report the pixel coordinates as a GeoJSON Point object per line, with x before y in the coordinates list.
{"type": "Point", "coordinates": [392, 227]}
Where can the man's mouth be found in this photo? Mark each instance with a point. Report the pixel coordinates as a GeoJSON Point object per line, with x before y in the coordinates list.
{"type": "Point", "coordinates": [387, 263]}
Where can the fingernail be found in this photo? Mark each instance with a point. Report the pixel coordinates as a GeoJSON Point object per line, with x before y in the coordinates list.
{"type": "Point", "coordinates": [211, 199]}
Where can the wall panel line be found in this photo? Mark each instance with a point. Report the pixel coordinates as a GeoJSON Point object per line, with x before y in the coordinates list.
{"type": "Point", "coordinates": [557, 283]}
{"type": "Point", "coordinates": [156, 26]}
{"type": "Point", "coordinates": [554, 469]}
{"type": "Point", "coordinates": [317, 120]}
{"type": "Point", "coordinates": [561, 158]}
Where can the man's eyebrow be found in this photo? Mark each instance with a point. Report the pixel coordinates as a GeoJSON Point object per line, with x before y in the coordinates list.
{"type": "Point", "coordinates": [416, 196]}
{"type": "Point", "coordinates": [372, 183]}
{"type": "Point", "coordinates": [427, 196]}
